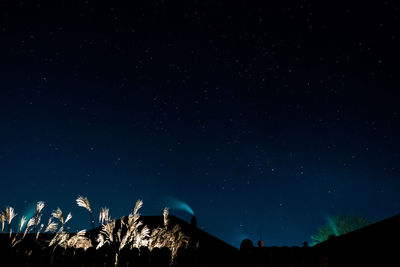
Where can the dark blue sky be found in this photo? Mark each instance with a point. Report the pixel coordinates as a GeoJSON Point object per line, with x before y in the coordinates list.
{"type": "Point", "coordinates": [264, 118]}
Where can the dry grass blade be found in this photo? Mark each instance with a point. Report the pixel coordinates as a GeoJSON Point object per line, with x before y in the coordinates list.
{"type": "Point", "coordinates": [37, 219]}
{"type": "Point", "coordinates": [81, 233]}
{"type": "Point", "coordinates": [108, 230]}
{"type": "Point", "coordinates": [165, 215]}
{"type": "Point", "coordinates": [69, 216]}
{"type": "Point", "coordinates": [30, 223]}
{"type": "Point", "coordinates": [3, 219]}
{"type": "Point", "coordinates": [79, 241]}
{"type": "Point", "coordinates": [104, 215]}
{"type": "Point", "coordinates": [142, 237]}
{"type": "Point", "coordinates": [83, 202]}
{"type": "Point", "coordinates": [39, 207]}
{"type": "Point", "coordinates": [51, 226]}
{"type": "Point", "coordinates": [22, 222]}
{"type": "Point", "coordinates": [38, 215]}
{"type": "Point", "coordinates": [58, 215]}
{"type": "Point", "coordinates": [100, 240]}
{"type": "Point", "coordinates": [119, 235]}
{"type": "Point", "coordinates": [38, 232]}
{"type": "Point", "coordinates": [60, 239]}
{"type": "Point", "coordinates": [138, 205]}
{"type": "Point", "coordinates": [15, 241]}
{"type": "Point", "coordinates": [132, 234]}
{"type": "Point", "coordinates": [106, 234]}
{"type": "Point", "coordinates": [10, 214]}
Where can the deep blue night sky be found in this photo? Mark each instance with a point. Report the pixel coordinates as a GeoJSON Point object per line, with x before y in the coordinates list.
{"type": "Point", "coordinates": [264, 118]}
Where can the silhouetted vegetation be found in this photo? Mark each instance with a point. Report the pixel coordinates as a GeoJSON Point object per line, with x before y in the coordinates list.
{"type": "Point", "coordinates": [168, 241]}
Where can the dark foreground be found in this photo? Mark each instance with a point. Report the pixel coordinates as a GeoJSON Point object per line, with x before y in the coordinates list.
{"type": "Point", "coordinates": [374, 245]}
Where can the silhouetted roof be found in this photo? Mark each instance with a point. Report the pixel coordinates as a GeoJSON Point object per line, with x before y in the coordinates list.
{"type": "Point", "coordinates": [373, 244]}
{"type": "Point", "coordinates": [379, 233]}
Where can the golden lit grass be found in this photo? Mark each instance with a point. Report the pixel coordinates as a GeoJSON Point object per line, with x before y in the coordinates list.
{"type": "Point", "coordinates": [130, 231]}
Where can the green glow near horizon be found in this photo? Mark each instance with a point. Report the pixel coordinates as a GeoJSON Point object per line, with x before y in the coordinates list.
{"type": "Point", "coordinates": [333, 226]}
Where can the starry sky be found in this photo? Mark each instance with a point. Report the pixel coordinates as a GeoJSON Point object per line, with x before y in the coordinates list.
{"type": "Point", "coordinates": [264, 118]}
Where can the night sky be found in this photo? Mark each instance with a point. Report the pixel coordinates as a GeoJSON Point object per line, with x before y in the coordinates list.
{"type": "Point", "coordinates": [265, 118]}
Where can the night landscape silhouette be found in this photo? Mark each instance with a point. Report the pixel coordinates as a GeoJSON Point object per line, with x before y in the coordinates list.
{"type": "Point", "coordinates": [199, 133]}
